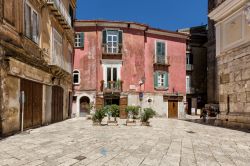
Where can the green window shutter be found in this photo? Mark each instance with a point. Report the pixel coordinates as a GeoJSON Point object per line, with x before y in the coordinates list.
{"type": "Point", "coordinates": [158, 48]}
{"type": "Point", "coordinates": [120, 37]}
{"type": "Point", "coordinates": [163, 49]}
{"type": "Point", "coordinates": [104, 36]}
{"type": "Point", "coordinates": [165, 79]}
{"type": "Point", "coordinates": [156, 79]}
{"type": "Point", "coordinates": [82, 39]}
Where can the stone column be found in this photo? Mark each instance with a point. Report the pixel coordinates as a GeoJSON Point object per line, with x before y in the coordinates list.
{"type": "Point", "coordinates": [1, 85]}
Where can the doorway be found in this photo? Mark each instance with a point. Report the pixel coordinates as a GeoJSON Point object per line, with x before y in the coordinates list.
{"type": "Point", "coordinates": [84, 106]}
{"type": "Point", "coordinates": [33, 93]}
{"type": "Point", "coordinates": [57, 104]}
{"type": "Point", "coordinates": [110, 101]}
{"type": "Point", "coordinates": [172, 109]}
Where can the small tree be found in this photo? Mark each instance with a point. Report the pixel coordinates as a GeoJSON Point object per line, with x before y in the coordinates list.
{"type": "Point", "coordinates": [133, 110]}
{"type": "Point", "coordinates": [99, 115]}
{"type": "Point", "coordinates": [147, 114]}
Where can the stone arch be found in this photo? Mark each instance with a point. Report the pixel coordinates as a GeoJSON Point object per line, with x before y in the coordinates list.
{"type": "Point", "coordinates": [78, 101]}
{"type": "Point", "coordinates": [84, 106]}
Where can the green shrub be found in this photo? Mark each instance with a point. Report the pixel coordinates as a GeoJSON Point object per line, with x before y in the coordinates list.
{"type": "Point", "coordinates": [134, 110]}
{"type": "Point", "coordinates": [114, 109]}
{"type": "Point", "coordinates": [147, 114]}
{"type": "Point", "coordinates": [99, 115]}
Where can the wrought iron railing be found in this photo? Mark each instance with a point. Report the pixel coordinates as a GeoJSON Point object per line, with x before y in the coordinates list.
{"type": "Point", "coordinates": [108, 49]}
{"type": "Point", "coordinates": [111, 86]}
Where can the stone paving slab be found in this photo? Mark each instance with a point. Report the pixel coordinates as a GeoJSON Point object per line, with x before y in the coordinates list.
{"type": "Point", "coordinates": [167, 142]}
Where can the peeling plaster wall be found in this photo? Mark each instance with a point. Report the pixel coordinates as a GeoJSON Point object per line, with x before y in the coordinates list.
{"type": "Point", "coordinates": [11, 116]}
{"type": "Point", "coordinates": [138, 56]}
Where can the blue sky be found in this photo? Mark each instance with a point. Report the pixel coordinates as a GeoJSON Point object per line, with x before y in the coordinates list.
{"type": "Point", "coordinates": [164, 14]}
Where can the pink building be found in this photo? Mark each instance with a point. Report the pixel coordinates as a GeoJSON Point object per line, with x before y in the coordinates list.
{"type": "Point", "coordinates": [127, 63]}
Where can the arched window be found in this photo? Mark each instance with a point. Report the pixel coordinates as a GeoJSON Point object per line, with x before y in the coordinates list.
{"type": "Point", "coordinates": [76, 77]}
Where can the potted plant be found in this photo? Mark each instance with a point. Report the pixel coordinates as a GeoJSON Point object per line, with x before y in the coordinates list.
{"type": "Point", "coordinates": [112, 111]}
{"type": "Point", "coordinates": [146, 115]}
{"type": "Point", "coordinates": [132, 112]}
{"type": "Point", "coordinates": [98, 116]}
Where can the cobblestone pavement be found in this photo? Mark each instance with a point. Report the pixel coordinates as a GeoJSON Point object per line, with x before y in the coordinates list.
{"type": "Point", "coordinates": [167, 142]}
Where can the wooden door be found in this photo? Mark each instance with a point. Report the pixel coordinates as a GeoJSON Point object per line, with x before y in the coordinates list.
{"type": "Point", "coordinates": [33, 103]}
{"type": "Point", "coordinates": [123, 105]}
{"type": "Point", "coordinates": [172, 109]}
{"type": "Point", "coordinates": [37, 91]}
{"type": "Point", "coordinates": [99, 102]}
{"type": "Point", "coordinates": [57, 104]}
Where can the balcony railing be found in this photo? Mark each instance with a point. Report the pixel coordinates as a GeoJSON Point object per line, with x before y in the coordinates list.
{"type": "Point", "coordinates": [189, 67]}
{"type": "Point", "coordinates": [190, 90]}
{"type": "Point", "coordinates": [61, 63]}
{"type": "Point", "coordinates": [111, 86]}
{"type": "Point", "coordinates": [162, 60]}
{"type": "Point", "coordinates": [108, 49]}
{"type": "Point", "coordinates": [60, 12]}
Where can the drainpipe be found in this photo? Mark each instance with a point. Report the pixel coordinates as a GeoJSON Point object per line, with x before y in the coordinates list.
{"type": "Point", "coordinates": [97, 57]}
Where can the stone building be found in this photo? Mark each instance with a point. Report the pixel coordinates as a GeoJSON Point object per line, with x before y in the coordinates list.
{"type": "Point", "coordinates": [127, 63]}
{"type": "Point", "coordinates": [196, 68]}
{"type": "Point", "coordinates": [232, 18]}
{"type": "Point", "coordinates": [36, 49]}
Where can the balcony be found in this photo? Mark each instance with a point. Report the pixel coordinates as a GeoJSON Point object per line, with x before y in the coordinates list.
{"type": "Point", "coordinates": [189, 67]}
{"type": "Point", "coordinates": [190, 90]}
{"type": "Point", "coordinates": [58, 63]}
{"type": "Point", "coordinates": [162, 63]}
{"type": "Point", "coordinates": [109, 52]}
{"type": "Point", "coordinates": [60, 12]}
{"type": "Point", "coordinates": [111, 86]}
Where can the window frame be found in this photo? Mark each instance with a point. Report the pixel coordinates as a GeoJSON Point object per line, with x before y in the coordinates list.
{"type": "Point", "coordinates": [163, 76]}
{"type": "Point", "coordinates": [79, 42]}
{"type": "Point", "coordinates": [76, 72]}
{"type": "Point", "coordinates": [156, 51]}
{"type": "Point", "coordinates": [32, 11]}
{"type": "Point", "coordinates": [112, 41]}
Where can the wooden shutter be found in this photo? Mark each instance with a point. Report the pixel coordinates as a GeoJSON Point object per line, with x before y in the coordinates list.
{"type": "Point", "coordinates": [163, 49]}
{"type": "Point", "coordinates": [165, 79]}
{"type": "Point", "coordinates": [156, 79]}
{"type": "Point", "coordinates": [104, 35]}
{"type": "Point", "coordinates": [27, 20]}
{"type": "Point", "coordinates": [120, 37]}
{"type": "Point", "coordinates": [81, 39]}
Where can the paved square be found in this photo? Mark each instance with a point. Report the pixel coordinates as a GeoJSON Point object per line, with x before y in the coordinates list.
{"type": "Point", "coordinates": [167, 142]}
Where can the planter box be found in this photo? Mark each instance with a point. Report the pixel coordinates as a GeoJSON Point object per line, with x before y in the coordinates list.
{"type": "Point", "coordinates": [130, 122]}
{"type": "Point", "coordinates": [145, 123]}
{"type": "Point", "coordinates": [112, 123]}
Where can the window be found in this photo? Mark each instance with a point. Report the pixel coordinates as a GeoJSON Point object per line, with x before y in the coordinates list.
{"type": "Point", "coordinates": [76, 77]}
{"type": "Point", "coordinates": [57, 49]}
{"type": "Point", "coordinates": [79, 39]}
{"type": "Point", "coordinates": [112, 40]}
{"type": "Point", "coordinates": [160, 79]}
{"type": "Point", "coordinates": [111, 74]}
{"type": "Point", "coordinates": [188, 83]}
{"type": "Point", "coordinates": [31, 23]}
{"type": "Point", "coordinates": [189, 59]}
{"type": "Point", "coordinates": [160, 52]}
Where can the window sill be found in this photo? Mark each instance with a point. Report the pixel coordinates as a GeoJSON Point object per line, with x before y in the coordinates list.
{"type": "Point", "coordinates": [30, 39]}
{"type": "Point", "coordinates": [161, 88]}
{"type": "Point", "coordinates": [76, 84]}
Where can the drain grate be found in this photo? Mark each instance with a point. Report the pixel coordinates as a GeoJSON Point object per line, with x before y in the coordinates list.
{"type": "Point", "coordinates": [190, 132]}
{"type": "Point", "coordinates": [80, 158]}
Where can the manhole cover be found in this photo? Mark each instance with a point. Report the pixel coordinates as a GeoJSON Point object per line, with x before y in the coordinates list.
{"type": "Point", "coordinates": [80, 158]}
{"type": "Point", "coordinates": [191, 132]}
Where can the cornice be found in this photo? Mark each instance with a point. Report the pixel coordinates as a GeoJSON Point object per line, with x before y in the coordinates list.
{"type": "Point", "coordinates": [226, 8]}
{"type": "Point", "coordinates": [132, 25]}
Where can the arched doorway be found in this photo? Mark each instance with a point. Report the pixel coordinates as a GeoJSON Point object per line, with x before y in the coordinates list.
{"type": "Point", "coordinates": [84, 106]}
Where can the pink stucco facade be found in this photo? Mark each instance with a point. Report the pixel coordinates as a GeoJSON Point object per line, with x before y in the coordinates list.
{"type": "Point", "coordinates": [137, 58]}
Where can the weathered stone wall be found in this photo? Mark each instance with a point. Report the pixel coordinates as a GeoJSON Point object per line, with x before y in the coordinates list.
{"type": "Point", "coordinates": [234, 73]}
{"type": "Point", "coordinates": [212, 76]}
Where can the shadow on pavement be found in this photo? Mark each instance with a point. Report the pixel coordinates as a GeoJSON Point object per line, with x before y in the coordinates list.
{"type": "Point", "coordinates": [212, 121]}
